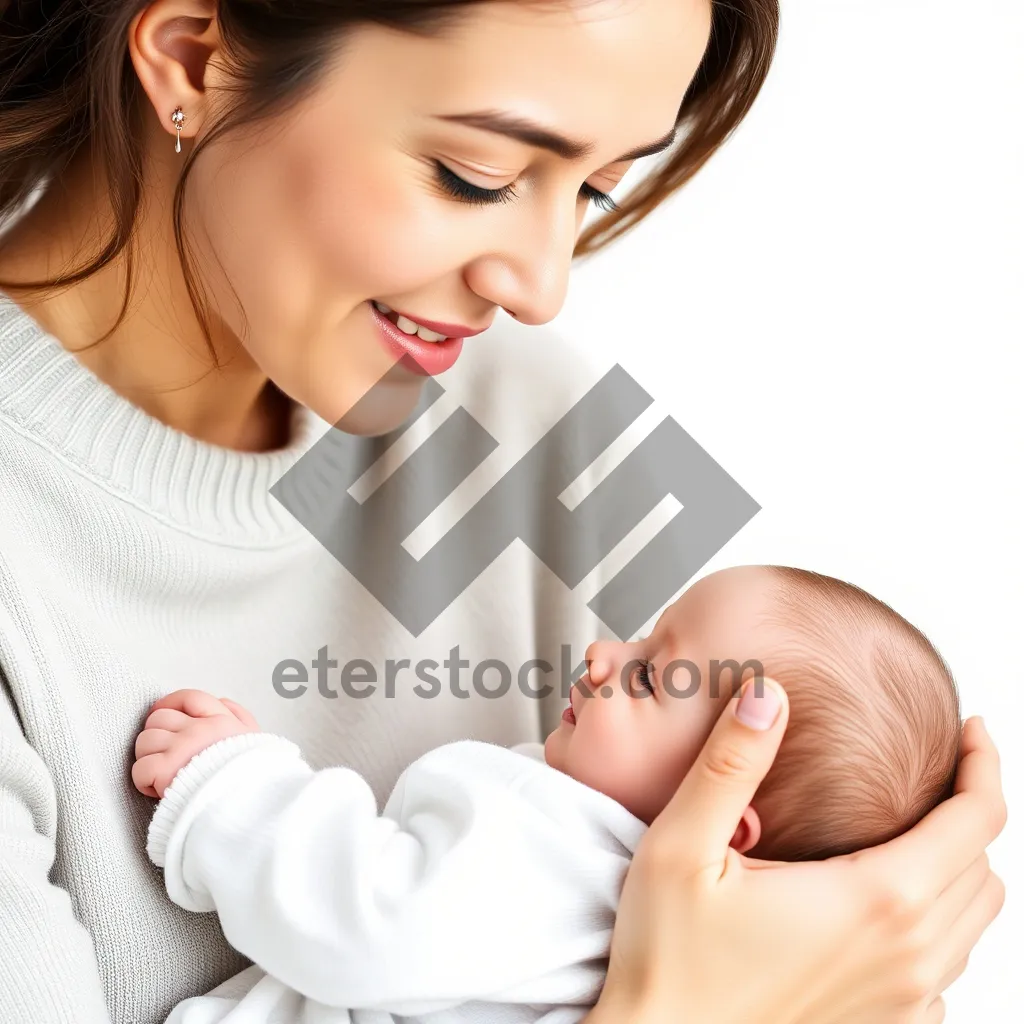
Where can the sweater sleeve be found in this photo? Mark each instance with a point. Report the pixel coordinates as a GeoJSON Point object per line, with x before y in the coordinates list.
{"type": "Point", "coordinates": [48, 970]}
{"type": "Point", "coordinates": [440, 900]}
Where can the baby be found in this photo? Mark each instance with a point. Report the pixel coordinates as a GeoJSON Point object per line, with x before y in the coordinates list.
{"type": "Point", "coordinates": [486, 891]}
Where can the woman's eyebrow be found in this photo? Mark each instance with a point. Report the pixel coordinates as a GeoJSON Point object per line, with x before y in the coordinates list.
{"type": "Point", "coordinates": [533, 134]}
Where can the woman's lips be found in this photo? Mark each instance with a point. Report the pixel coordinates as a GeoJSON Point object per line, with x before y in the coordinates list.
{"type": "Point", "coordinates": [448, 330]}
{"type": "Point", "coordinates": [426, 358]}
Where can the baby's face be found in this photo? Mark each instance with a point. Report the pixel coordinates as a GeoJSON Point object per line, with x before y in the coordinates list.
{"type": "Point", "coordinates": [638, 721]}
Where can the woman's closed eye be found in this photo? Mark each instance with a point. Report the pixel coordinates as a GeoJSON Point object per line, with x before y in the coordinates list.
{"type": "Point", "coordinates": [469, 193]}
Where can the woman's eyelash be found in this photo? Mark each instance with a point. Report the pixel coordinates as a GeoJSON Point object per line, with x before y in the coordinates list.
{"type": "Point", "coordinates": [462, 189]}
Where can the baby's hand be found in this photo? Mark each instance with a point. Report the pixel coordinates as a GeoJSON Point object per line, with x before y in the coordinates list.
{"type": "Point", "coordinates": [179, 726]}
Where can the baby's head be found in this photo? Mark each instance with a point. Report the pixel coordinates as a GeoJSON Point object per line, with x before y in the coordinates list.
{"type": "Point", "coordinates": [874, 727]}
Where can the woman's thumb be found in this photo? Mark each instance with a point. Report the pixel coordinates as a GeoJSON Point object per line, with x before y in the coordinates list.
{"type": "Point", "coordinates": [710, 801]}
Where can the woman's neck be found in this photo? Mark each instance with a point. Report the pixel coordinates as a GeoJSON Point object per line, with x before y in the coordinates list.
{"type": "Point", "coordinates": [157, 358]}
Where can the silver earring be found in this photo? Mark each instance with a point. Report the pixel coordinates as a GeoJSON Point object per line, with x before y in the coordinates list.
{"type": "Point", "coordinates": [178, 117]}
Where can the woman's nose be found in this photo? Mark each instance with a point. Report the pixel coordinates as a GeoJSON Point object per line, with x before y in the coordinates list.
{"type": "Point", "coordinates": [527, 271]}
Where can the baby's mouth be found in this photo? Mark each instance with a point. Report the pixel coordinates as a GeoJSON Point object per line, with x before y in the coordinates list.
{"type": "Point", "coordinates": [570, 712]}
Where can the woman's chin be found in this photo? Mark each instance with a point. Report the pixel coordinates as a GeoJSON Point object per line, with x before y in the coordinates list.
{"type": "Point", "coordinates": [383, 407]}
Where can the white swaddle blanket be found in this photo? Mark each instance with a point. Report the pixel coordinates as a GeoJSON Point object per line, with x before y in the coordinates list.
{"type": "Point", "coordinates": [484, 893]}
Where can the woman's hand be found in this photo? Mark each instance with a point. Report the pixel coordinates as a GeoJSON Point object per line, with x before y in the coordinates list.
{"type": "Point", "coordinates": [708, 936]}
{"type": "Point", "coordinates": [178, 727]}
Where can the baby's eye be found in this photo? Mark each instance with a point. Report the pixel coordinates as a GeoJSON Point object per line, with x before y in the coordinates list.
{"type": "Point", "coordinates": [643, 674]}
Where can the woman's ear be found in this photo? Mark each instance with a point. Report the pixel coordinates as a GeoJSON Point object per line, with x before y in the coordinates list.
{"type": "Point", "coordinates": [748, 831]}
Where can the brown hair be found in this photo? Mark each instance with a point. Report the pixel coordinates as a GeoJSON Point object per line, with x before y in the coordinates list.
{"type": "Point", "coordinates": [66, 78]}
{"type": "Point", "coordinates": [874, 731]}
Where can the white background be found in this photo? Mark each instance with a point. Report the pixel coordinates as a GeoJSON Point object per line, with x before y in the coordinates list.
{"type": "Point", "coordinates": [833, 309]}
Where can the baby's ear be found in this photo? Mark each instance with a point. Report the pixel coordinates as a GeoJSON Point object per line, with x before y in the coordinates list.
{"type": "Point", "coordinates": [748, 831]}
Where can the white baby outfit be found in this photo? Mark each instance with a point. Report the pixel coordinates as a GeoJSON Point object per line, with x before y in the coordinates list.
{"type": "Point", "coordinates": [485, 893]}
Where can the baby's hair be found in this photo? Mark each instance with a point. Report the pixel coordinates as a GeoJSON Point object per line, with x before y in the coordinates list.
{"type": "Point", "coordinates": [874, 735]}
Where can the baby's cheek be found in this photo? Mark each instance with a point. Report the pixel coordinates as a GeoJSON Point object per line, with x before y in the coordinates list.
{"type": "Point", "coordinates": [667, 755]}
{"type": "Point", "coordinates": [611, 763]}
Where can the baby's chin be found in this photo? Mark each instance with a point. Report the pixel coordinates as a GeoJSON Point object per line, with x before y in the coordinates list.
{"type": "Point", "coordinates": [552, 751]}
{"type": "Point", "coordinates": [639, 801]}
{"type": "Point", "coordinates": [557, 756]}
{"type": "Point", "coordinates": [556, 751]}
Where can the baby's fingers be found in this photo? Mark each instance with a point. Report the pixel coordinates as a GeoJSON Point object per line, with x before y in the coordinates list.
{"type": "Point", "coordinates": [152, 741]}
{"type": "Point", "coordinates": [154, 773]}
{"type": "Point", "coordinates": [242, 714]}
{"type": "Point", "coordinates": [167, 718]}
{"type": "Point", "coordinates": [195, 703]}
{"type": "Point", "coordinates": [144, 773]}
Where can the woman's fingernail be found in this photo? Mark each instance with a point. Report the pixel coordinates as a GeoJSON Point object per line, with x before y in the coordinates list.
{"type": "Point", "coordinates": [759, 706]}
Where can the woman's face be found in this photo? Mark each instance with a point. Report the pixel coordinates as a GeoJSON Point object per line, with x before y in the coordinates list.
{"type": "Point", "coordinates": [345, 201]}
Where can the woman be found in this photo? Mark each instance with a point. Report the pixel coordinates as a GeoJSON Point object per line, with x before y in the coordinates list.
{"type": "Point", "coordinates": [346, 162]}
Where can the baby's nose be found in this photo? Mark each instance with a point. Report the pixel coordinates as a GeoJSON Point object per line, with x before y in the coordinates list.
{"type": "Point", "coordinates": [600, 657]}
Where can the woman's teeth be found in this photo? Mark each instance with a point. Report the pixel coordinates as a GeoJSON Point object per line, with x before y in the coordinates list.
{"type": "Point", "coordinates": [408, 326]}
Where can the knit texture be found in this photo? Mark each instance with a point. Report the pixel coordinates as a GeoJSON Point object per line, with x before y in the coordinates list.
{"type": "Point", "coordinates": [136, 560]}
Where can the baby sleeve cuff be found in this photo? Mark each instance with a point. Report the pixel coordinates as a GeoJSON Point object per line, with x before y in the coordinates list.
{"type": "Point", "coordinates": [192, 785]}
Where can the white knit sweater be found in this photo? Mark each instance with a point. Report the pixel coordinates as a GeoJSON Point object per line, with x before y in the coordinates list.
{"type": "Point", "coordinates": [135, 560]}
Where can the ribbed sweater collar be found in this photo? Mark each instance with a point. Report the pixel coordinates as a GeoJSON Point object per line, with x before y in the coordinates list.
{"type": "Point", "coordinates": [48, 395]}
